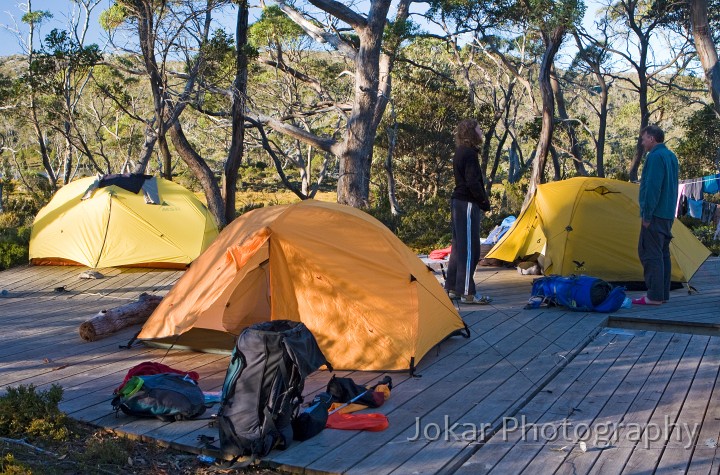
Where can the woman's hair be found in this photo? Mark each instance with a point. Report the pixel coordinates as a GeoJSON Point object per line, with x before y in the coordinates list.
{"type": "Point", "coordinates": [465, 134]}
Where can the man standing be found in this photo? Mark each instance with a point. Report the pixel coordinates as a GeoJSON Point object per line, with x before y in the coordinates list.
{"type": "Point", "coordinates": [658, 199]}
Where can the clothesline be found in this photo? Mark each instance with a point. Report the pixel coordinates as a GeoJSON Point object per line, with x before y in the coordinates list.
{"type": "Point", "coordinates": [698, 180]}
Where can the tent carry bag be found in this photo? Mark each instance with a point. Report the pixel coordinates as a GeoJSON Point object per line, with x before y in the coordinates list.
{"type": "Point", "coordinates": [263, 386]}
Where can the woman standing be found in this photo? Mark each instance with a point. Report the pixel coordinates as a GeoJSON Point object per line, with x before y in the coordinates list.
{"type": "Point", "coordinates": [469, 200]}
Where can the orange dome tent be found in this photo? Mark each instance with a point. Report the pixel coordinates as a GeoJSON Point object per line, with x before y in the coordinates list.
{"type": "Point", "coordinates": [368, 300]}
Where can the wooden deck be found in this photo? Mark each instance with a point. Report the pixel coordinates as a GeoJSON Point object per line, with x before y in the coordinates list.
{"type": "Point", "coordinates": [548, 367]}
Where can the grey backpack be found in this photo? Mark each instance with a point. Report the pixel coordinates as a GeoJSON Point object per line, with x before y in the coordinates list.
{"type": "Point", "coordinates": [263, 386]}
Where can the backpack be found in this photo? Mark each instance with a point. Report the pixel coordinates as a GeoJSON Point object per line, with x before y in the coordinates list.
{"type": "Point", "coordinates": [263, 386]}
{"type": "Point", "coordinates": [579, 293]}
{"type": "Point", "coordinates": [167, 396]}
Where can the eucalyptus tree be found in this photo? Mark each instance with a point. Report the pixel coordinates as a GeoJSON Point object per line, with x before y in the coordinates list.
{"type": "Point", "coordinates": [61, 71]}
{"type": "Point", "coordinates": [359, 37]}
{"type": "Point", "coordinates": [551, 20]}
{"type": "Point", "coordinates": [706, 46]}
{"type": "Point", "coordinates": [53, 84]}
{"type": "Point", "coordinates": [491, 62]}
{"type": "Point", "coordinates": [567, 123]}
{"type": "Point", "coordinates": [427, 104]}
{"type": "Point", "coordinates": [164, 32]}
{"type": "Point", "coordinates": [33, 19]}
{"type": "Point", "coordinates": [635, 28]}
{"type": "Point", "coordinates": [594, 60]}
{"type": "Point", "coordinates": [303, 87]}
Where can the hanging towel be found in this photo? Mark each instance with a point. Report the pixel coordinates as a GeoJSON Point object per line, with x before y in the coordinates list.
{"type": "Point", "coordinates": [693, 190]}
{"type": "Point", "coordinates": [711, 184]}
{"type": "Point", "coordinates": [695, 208]}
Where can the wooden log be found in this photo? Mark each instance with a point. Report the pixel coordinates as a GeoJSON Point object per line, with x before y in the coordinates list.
{"type": "Point", "coordinates": [106, 322]}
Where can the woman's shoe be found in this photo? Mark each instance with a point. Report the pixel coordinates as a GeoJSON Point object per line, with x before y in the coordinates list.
{"type": "Point", "coordinates": [476, 299]}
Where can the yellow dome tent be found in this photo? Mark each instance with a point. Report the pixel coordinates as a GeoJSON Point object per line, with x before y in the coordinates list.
{"type": "Point", "coordinates": [590, 226]}
{"type": "Point", "coordinates": [115, 227]}
{"type": "Point", "coordinates": [368, 300]}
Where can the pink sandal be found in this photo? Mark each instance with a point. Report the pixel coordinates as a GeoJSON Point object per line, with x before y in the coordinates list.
{"type": "Point", "coordinates": [645, 301]}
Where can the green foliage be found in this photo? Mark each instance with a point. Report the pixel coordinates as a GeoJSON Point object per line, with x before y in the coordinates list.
{"type": "Point", "coordinates": [15, 230]}
{"type": "Point", "coordinates": [102, 452]}
{"type": "Point", "coordinates": [422, 226]}
{"type": "Point", "coordinates": [113, 17]}
{"type": "Point", "coordinates": [273, 27]}
{"type": "Point", "coordinates": [699, 149]}
{"type": "Point", "coordinates": [9, 466]}
{"type": "Point", "coordinates": [36, 17]}
{"type": "Point", "coordinates": [704, 233]}
{"type": "Point", "coordinates": [27, 413]}
{"type": "Point", "coordinates": [60, 54]}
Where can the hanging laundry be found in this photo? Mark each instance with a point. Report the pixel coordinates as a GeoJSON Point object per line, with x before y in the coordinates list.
{"type": "Point", "coordinates": [693, 189]}
{"type": "Point", "coordinates": [695, 208]}
{"type": "Point", "coordinates": [711, 184]}
{"type": "Point", "coordinates": [708, 212]}
{"type": "Point", "coordinates": [681, 206]}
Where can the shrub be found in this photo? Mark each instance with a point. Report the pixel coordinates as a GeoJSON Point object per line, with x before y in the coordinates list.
{"type": "Point", "coordinates": [14, 244]}
{"type": "Point", "coordinates": [704, 233]}
{"type": "Point", "coordinates": [101, 452]}
{"type": "Point", "coordinates": [25, 412]}
{"type": "Point", "coordinates": [9, 466]}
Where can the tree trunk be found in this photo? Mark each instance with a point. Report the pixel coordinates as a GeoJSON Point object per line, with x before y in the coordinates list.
{"type": "Point", "coordinates": [548, 112]}
{"type": "Point", "coordinates": [569, 127]}
{"type": "Point", "coordinates": [353, 186]}
{"type": "Point", "coordinates": [68, 162]}
{"type": "Point", "coordinates": [643, 103]}
{"type": "Point", "coordinates": [602, 127]}
{"type": "Point", "coordinates": [392, 191]}
{"type": "Point", "coordinates": [706, 49]}
{"type": "Point", "coordinates": [202, 171]}
{"type": "Point", "coordinates": [166, 157]}
{"type": "Point", "coordinates": [239, 93]}
{"type": "Point", "coordinates": [107, 322]}
{"type": "Point", "coordinates": [146, 150]}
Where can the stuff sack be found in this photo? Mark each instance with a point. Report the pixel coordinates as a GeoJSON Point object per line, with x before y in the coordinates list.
{"type": "Point", "coordinates": [167, 396]}
{"type": "Point", "coordinates": [313, 419]}
{"type": "Point", "coordinates": [345, 390]}
{"type": "Point", "coordinates": [263, 386]}
{"type": "Point", "coordinates": [579, 293]}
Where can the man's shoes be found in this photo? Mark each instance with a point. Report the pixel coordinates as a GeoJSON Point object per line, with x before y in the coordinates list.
{"type": "Point", "coordinates": [453, 295]}
{"type": "Point", "coordinates": [476, 299]}
{"type": "Point", "coordinates": [645, 301]}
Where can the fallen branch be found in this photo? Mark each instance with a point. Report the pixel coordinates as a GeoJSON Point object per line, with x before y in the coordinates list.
{"type": "Point", "coordinates": [107, 322]}
{"type": "Point", "coordinates": [25, 444]}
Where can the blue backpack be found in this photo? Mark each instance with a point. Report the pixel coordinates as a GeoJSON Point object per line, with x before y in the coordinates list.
{"type": "Point", "coordinates": [579, 293]}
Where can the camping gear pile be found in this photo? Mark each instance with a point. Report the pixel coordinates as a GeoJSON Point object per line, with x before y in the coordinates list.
{"type": "Point", "coordinates": [589, 225]}
{"type": "Point", "coordinates": [369, 301]}
{"type": "Point", "coordinates": [261, 395]}
{"type": "Point", "coordinates": [121, 220]}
